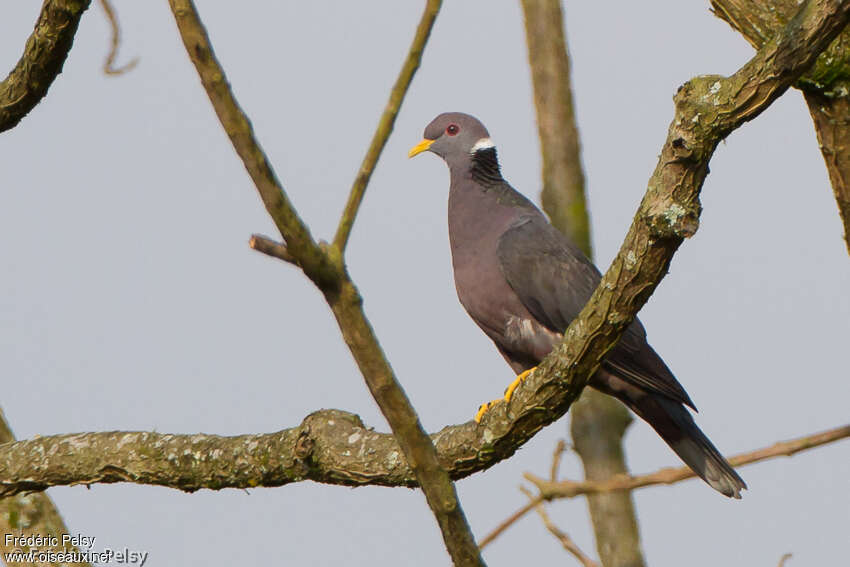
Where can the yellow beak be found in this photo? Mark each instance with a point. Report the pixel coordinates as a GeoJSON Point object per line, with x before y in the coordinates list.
{"type": "Point", "coordinates": [420, 147]}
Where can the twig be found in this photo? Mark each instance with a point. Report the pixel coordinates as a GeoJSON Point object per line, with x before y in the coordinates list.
{"type": "Point", "coordinates": [385, 124]}
{"type": "Point", "coordinates": [566, 541]}
{"type": "Point", "coordinates": [508, 522]}
{"type": "Point", "coordinates": [569, 489]}
{"type": "Point", "coordinates": [115, 42]}
{"type": "Point", "coordinates": [42, 61]}
{"type": "Point", "coordinates": [557, 454]}
{"type": "Point", "coordinates": [784, 558]}
{"type": "Point", "coordinates": [271, 248]}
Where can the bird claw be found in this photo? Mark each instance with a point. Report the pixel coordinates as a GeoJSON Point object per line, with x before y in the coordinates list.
{"type": "Point", "coordinates": [509, 392]}
{"type": "Point", "coordinates": [482, 409]}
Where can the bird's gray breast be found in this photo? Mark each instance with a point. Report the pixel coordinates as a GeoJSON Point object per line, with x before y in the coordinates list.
{"type": "Point", "coordinates": [476, 221]}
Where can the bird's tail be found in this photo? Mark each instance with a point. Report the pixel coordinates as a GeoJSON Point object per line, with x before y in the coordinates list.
{"type": "Point", "coordinates": [674, 424]}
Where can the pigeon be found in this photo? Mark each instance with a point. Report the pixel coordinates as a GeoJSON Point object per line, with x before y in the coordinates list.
{"type": "Point", "coordinates": [522, 281]}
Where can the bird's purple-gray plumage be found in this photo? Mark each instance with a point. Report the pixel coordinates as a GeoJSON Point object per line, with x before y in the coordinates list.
{"type": "Point", "coordinates": [522, 281]}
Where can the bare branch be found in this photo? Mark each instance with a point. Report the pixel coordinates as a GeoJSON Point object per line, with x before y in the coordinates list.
{"type": "Point", "coordinates": [784, 559]}
{"type": "Point", "coordinates": [109, 65]}
{"type": "Point", "coordinates": [557, 454]}
{"type": "Point", "coordinates": [566, 541]}
{"type": "Point", "coordinates": [570, 489]}
{"type": "Point", "coordinates": [42, 61]}
{"type": "Point", "coordinates": [385, 125]}
{"type": "Point", "coordinates": [271, 248]}
{"type": "Point", "coordinates": [509, 521]}
{"type": "Point", "coordinates": [325, 266]}
{"type": "Point", "coordinates": [784, 448]}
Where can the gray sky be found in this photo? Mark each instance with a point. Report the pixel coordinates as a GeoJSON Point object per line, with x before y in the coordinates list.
{"type": "Point", "coordinates": [131, 301]}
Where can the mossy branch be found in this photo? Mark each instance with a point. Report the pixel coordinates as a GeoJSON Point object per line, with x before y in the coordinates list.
{"type": "Point", "coordinates": [31, 514]}
{"type": "Point", "coordinates": [42, 61]}
{"type": "Point", "coordinates": [826, 87]}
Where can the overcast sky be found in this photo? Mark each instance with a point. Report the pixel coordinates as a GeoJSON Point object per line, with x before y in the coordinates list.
{"type": "Point", "coordinates": [131, 301]}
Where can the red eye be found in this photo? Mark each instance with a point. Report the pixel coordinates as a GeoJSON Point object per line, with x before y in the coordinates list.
{"type": "Point", "coordinates": [452, 129]}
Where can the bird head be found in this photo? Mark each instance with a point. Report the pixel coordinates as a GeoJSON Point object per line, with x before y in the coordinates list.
{"type": "Point", "coordinates": [453, 136]}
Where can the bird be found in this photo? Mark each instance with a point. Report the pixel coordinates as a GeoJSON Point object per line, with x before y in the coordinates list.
{"type": "Point", "coordinates": [522, 281]}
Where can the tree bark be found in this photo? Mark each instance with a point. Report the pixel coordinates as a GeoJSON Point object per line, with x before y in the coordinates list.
{"type": "Point", "coordinates": [831, 116]}
{"type": "Point", "coordinates": [826, 87]}
{"type": "Point", "coordinates": [31, 514]}
{"type": "Point", "coordinates": [42, 61]}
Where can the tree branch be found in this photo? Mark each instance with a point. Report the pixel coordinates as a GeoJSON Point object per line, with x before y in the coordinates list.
{"type": "Point", "coordinates": [271, 248]}
{"type": "Point", "coordinates": [598, 422]}
{"type": "Point", "coordinates": [325, 267]}
{"type": "Point", "coordinates": [571, 489]}
{"type": "Point", "coordinates": [826, 87]}
{"type": "Point", "coordinates": [329, 446]}
{"type": "Point", "coordinates": [109, 64]}
{"type": "Point", "coordinates": [566, 541]}
{"type": "Point", "coordinates": [386, 123]}
{"type": "Point", "coordinates": [42, 61]}
{"type": "Point", "coordinates": [509, 521]}
{"type": "Point", "coordinates": [707, 109]}
{"type": "Point", "coordinates": [832, 125]}
{"type": "Point", "coordinates": [31, 514]}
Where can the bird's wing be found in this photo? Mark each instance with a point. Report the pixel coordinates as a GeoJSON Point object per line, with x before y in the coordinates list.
{"type": "Point", "coordinates": [554, 280]}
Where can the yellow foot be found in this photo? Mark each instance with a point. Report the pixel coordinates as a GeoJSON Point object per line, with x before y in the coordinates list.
{"type": "Point", "coordinates": [515, 384]}
{"type": "Point", "coordinates": [482, 409]}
